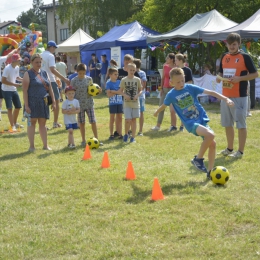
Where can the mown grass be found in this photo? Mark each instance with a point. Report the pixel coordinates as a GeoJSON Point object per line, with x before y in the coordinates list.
{"type": "Point", "coordinates": [56, 206]}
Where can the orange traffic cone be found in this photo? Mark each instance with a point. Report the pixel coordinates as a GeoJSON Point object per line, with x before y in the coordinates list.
{"type": "Point", "coordinates": [157, 191]}
{"type": "Point", "coordinates": [105, 162]}
{"type": "Point", "coordinates": [130, 173]}
{"type": "Point", "coordinates": [87, 154]}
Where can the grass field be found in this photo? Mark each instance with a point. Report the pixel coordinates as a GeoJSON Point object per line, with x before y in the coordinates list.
{"type": "Point", "coordinates": [56, 206]}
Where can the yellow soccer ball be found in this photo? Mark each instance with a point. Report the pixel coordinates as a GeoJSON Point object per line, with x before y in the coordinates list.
{"type": "Point", "coordinates": [219, 175]}
{"type": "Point", "coordinates": [93, 143]}
{"type": "Point", "coordinates": [93, 89]}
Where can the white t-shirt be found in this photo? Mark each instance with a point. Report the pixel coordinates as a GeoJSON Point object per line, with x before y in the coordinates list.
{"type": "Point", "coordinates": [2, 60]}
{"type": "Point", "coordinates": [61, 67]}
{"type": "Point", "coordinates": [48, 61]}
{"type": "Point", "coordinates": [68, 104]}
{"type": "Point", "coordinates": [11, 74]}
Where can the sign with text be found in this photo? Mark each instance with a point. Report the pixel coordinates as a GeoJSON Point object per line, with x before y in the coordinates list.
{"type": "Point", "coordinates": [116, 55]}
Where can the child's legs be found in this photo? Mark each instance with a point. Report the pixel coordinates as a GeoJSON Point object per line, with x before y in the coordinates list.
{"type": "Point", "coordinates": [31, 132]}
{"type": "Point", "coordinates": [8, 96]}
{"type": "Point", "coordinates": [135, 114]}
{"type": "Point", "coordinates": [133, 125]}
{"type": "Point", "coordinates": [111, 123]}
{"type": "Point", "coordinates": [92, 121]}
{"type": "Point", "coordinates": [141, 122]}
{"type": "Point", "coordinates": [94, 130]}
{"type": "Point", "coordinates": [128, 123]}
{"type": "Point", "coordinates": [43, 131]}
{"type": "Point", "coordinates": [81, 122]}
{"type": "Point", "coordinates": [173, 116]}
{"type": "Point", "coordinates": [70, 136]}
{"type": "Point", "coordinates": [119, 123]}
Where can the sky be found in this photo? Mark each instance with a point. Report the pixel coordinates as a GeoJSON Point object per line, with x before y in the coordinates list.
{"type": "Point", "coordinates": [11, 9]}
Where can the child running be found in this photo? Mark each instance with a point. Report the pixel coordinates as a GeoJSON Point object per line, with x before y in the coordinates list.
{"type": "Point", "coordinates": [70, 108]}
{"type": "Point", "coordinates": [185, 102]}
{"type": "Point", "coordinates": [81, 83]}
{"type": "Point", "coordinates": [115, 103]}
{"type": "Point", "coordinates": [131, 90]}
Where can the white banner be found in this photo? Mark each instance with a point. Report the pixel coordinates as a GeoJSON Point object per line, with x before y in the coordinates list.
{"type": "Point", "coordinates": [116, 54]}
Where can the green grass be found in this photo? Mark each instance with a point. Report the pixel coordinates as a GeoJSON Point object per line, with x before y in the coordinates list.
{"type": "Point", "coordinates": [56, 206]}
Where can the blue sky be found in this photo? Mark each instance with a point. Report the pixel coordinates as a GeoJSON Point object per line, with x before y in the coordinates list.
{"type": "Point", "coordinates": [11, 9]}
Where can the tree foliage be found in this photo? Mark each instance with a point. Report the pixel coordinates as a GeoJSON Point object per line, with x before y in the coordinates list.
{"type": "Point", "coordinates": [96, 15]}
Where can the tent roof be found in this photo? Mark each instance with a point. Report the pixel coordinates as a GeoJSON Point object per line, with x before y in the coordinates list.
{"type": "Point", "coordinates": [250, 28]}
{"type": "Point", "coordinates": [194, 28]}
{"type": "Point", "coordinates": [73, 42]}
{"type": "Point", "coordinates": [131, 35]}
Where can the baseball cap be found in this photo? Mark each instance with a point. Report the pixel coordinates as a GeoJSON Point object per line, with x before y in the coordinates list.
{"type": "Point", "coordinates": [104, 55]}
{"type": "Point", "coordinates": [16, 57]}
{"type": "Point", "coordinates": [69, 88]}
{"type": "Point", "coordinates": [52, 44]}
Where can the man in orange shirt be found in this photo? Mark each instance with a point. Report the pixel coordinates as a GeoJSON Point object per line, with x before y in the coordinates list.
{"type": "Point", "coordinates": [236, 68]}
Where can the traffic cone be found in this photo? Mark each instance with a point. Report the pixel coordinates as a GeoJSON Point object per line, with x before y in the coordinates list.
{"type": "Point", "coordinates": [157, 191]}
{"type": "Point", "coordinates": [130, 173]}
{"type": "Point", "coordinates": [87, 154]}
{"type": "Point", "coordinates": [105, 162]}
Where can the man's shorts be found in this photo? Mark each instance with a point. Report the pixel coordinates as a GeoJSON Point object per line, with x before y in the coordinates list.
{"type": "Point", "coordinates": [55, 89]}
{"type": "Point", "coordinates": [71, 126]}
{"type": "Point", "coordinates": [116, 109]}
{"type": "Point", "coordinates": [142, 104]}
{"type": "Point", "coordinates": [12, 97]}
{"type": "Point", "coordinates": [196, 125]}
{"type": "Point", "coordinates": [63, 84]}
{"type": "Point", "coordinates": [91, 116]}
{"type": "Point", "coordinates": [237, 113]}
{"type": "Point", "coordinates": [1, 91]}
{"type": "Point", "coordinates": [131, 113]}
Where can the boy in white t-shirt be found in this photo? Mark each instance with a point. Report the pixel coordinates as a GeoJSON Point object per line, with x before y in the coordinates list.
{"type": "Point", "coordinates": [70, 108]}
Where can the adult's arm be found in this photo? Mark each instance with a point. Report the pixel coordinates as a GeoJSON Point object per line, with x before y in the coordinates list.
{"type": "Point", "coordinates": [25, 84]}
{"type": "Point", "coordinates": [57, 74]}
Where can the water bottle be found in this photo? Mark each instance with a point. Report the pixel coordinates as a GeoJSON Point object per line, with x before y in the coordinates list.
{"type": "Point", "coordinates": [29, 120]}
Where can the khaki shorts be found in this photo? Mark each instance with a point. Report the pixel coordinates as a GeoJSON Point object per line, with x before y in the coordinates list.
{"type": "Point", "coordinates": [131, 113]}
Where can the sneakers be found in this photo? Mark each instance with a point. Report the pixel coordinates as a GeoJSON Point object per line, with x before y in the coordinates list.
{"type": "Point", "coordinates": [226, 152]}
{"type": "Point", "coordinates": [236, 154]}
{"type": "Point", "coordinates": [57, 125]}
{"type": "Point", "coordinates": [198, 163]}
{"type": "Point", "coordinates": [140, 134]}
{"type": "Point", "coordinates": [249, 115]}
{"type": "Point", "coordinates": [120, 137]}
{"type": "Point", "coordinates": [47, 148]}
{"type": "Point", "coordinates": [156, 128]}
{"type": "Point", "coordinates": [172, 128]}
{"type": "Point", "coordinates": [101, 144]}
{"type": "Point", "coordinates": [125, 138]}
{"type": "Point", "coordinates": [130, 132]}
{"type": "Point", "coordinates": [14, 129]}
{"type": "Point", "coordinates": [71, 146]}
{"type": "Point", "coordinates": [208, 175]}
{"type": "Point", "coordinates": [116, 134]}
{"type": "Point", "coordinates": [83, 143]}
{"type": "Point", "coordinates": [31, 150]}
{"type": "Point", "coordinates": [181, 128]}
{"type": "Point", "coordinates": [111, 137]}
{"type": "Point", "coordinates": [132, 140]}
{"type": "Point", "coordinates": [17, 125]}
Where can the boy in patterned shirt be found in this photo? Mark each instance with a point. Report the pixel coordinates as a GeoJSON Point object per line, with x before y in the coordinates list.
{"type": "Point", "coordinates": [81, 83]}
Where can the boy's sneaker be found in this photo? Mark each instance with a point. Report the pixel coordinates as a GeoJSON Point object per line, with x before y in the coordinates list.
{"type": "Point", "coordinates": [71, 146]}
{"type": "Point", "coordinates": [116, 134]}
{"type": "Point", "coordinates": [208, 175]}
{"type": "Point", "coordinates": [14, 129]}
{"type": "Point", "coordinates": [83, 143]}
{"type": "Point", "coordinates": [120, 137]}
{"type": "Point", "coordinates": [111, 137]}
{"type": "Point", "coordinates": [132, 140]}
{"type": "Point", "coordinates": [130, 132]}
{"type": "Point", "coordinates": [140, 134]}
{"type": "Point", "coordinates": [226, 152]}
{"type": "Point", "coordinates": [101, 144]}
{"type": "Point", "coordinates": [156, 128]}
{"type": "Point", "coordinates": [198, 163]}
{"type": "Point", "coordinates": [57, 125]}
{"type": "Point", "coordinates": [236, 154]}
{"type": "Point", "coordinates": [125, 138]}
{"type": "Point", "coordinates": [181, 128]}
{"type": "Point", "coordinates": [17, 125]}
{"type": "Point", "coordinates": [172, 128]}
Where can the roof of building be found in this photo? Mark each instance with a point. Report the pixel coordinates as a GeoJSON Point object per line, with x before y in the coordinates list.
{"type": "Point", "coordinates": [4, 24]}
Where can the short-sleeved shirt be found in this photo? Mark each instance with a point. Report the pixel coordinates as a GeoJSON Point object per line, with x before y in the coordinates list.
{"type": "Point", "coordinates": [48, 61]}
{"type": "Point", "coordinates": [143, 77]}
{"type": "Point", "coordinates": [166, 71]}
{"type": "Point", "coordinates": [104, 67]}
{"type": "Point", "coordinates": [131, 87]}
{"type": "Point", "coordinates": [123, 73]}
{"type": "Point", "coordinates": [2, 60]}
{"type": "Point", "coordinates": [239, 64]}
{"type": "Point", "coordinates": [81, 86]}
{"type": "Point", "coordinates": [61, 67]}
{"type": "Point", "coordinates": [116, 99]}
{"type": "Point", "coordinates": [68, 104]}
{"type": "Point", "coordinates": [10, 74]}
{"type": "Point", "coordinates": [187, 105]}
{"type": "Point", "coordinates": [187, 73]}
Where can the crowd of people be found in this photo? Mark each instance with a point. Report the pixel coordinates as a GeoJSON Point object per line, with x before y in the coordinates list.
{"type": "Point", "coordinates": [46, 83]}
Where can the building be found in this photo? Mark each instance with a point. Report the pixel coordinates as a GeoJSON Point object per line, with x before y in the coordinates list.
{"type": "Point", "coordinates": [4, 27]}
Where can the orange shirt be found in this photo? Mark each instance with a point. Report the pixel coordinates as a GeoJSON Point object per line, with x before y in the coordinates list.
{"type": "Point", "coordinates": [239, 64]}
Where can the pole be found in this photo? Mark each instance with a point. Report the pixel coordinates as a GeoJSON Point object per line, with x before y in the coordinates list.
{"type": "Point", "coordinates": [55, 25]}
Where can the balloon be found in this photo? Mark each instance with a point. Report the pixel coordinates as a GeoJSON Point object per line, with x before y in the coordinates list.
{"type": "Point", "coordinates": [99, 66]}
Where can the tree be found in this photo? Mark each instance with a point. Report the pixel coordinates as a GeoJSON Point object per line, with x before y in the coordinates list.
{"type": "Point", "coordinates": [96, 15]}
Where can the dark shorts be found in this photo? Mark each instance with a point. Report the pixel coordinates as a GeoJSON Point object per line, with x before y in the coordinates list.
{"type": "Point", "coordinates": [116, 109]}
{"type": "Point", "coordinates": [1, 91]}
{"type": "Point", "coordinates": [12, 97]}
{"type": "Point", "coordinates": [55, 90]}
{"type": "Point", "coordinates": [71, 126]}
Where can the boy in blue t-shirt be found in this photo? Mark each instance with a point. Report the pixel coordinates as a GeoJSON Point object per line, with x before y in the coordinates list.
{"type": "Point", "coordinates": [184, 99]}
{"type": "Point", "coordinates": [115, 103]}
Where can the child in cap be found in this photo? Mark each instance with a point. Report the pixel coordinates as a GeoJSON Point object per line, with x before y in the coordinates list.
{"type": "Point", "coordinates": [70, 108]}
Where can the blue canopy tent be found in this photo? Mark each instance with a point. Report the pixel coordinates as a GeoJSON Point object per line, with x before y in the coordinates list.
{"type": "Point", "coordinates": [129, 37]}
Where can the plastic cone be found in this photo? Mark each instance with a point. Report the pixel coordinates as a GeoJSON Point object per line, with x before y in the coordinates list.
{"type": "Point", "coordinates": [87, 154]}
{"type": "Point", "coordinates": [130, 173]}
{"type": "Point", "coordinates": [157, 191]}
{"type": "Point", "coordinates": [105, 162]}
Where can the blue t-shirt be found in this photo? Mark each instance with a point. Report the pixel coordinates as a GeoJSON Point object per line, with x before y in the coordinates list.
{"type": "Point", "coordinates": [116, 99]}
{"type": "Point", "coordinates": [104, 67]}
{"type": "Point", "coordinates": [187, 105]}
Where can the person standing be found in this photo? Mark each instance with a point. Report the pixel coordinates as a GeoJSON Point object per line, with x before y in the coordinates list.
{"type": "Point", "coordinates": [48, 64]}
{"type": "Point", "coordinates": [238, 68]}
{"type": "Point", "coordinates": [103, 71]}
{"type": "Point", "coordinates": [94, 72]}
{"type": "Point", "coordinates": [63, 70]}
{"type": "Point", "coordinates": [9, 88]}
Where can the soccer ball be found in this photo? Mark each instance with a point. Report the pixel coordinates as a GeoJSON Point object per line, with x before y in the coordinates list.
{"type": "Point", "coordinates": [93, 89]}
{"type": "Point", "coordinates": [219, 175]}
{"type": "Point", "coordinates": [93, 143]}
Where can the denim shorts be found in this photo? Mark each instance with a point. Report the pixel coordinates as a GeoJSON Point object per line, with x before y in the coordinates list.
{"type": "Point", "coordinates": [116, 109]}
{"type": "Point", "coordinates": [142, 104]}
{"type": "Point", "coordinates": [12, 97]}
{"type": "Point", "coordinates": [71, 126]}
{"type": "Point", "coordinates": [55, 90]}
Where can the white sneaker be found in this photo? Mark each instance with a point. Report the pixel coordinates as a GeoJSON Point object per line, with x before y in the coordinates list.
{"type": "Point", "coordinates": [236, 154]}
{"type": "Point", "coordinates": [226, 152]}
{"type": "Point", "coordinates": [156, 128]}
{"type": "Point", "coordinates": [249, 115]}
{"type": "Point", "coordinates": [14, 129]}
{"type": "Point", "coordinates": [17, 125]}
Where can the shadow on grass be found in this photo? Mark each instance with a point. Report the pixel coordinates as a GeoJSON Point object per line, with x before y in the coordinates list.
{"type": "Point", "coordinates": [160, 134]}
{"type": "Point", "coordinates": [139, 195]}
{"type": "Point", "coordinates": [13, 156]}
{"type": "Point", "coordinates": [16, 135]}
